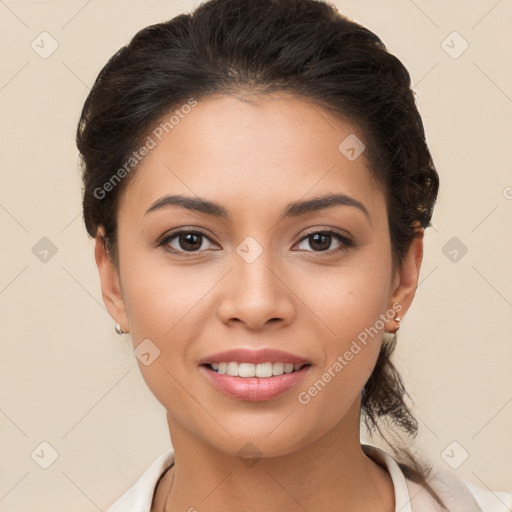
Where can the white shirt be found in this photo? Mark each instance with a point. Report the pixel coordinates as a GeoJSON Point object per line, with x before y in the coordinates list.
{"type": "Point", "coordinates": [458, 495]}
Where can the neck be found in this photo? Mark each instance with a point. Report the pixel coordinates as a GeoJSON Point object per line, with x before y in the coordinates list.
{"type": "Point", "coordinates": [331, 473]}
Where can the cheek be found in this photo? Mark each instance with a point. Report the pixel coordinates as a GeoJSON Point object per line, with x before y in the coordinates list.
{"type": "Point", "coordinates": [350, 354]}
{"type": "Point", "coordinates": [161, 296]}
{"type": "Point", "coordinates": [351, 305]}
{"type": "Point", "coordinates": [160, 306]}
{"type": "Point", "coordinates": [166, 305]}
{"type": "Point", "coordinates": [348, 298]}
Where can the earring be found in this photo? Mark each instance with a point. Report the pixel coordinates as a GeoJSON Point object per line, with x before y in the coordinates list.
{"type": "Point", "coordinates": [396, 319]}
{"type": "Point", "coordinates": [118, 329]}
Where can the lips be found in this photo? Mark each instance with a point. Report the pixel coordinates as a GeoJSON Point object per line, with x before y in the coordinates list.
{"type": "Point", "coordinates": [254, 389]}
{"type": "Point", "coordinates": [242, 355]}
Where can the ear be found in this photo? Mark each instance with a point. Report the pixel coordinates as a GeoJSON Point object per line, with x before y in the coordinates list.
{"type": "Point", "coordinates": [406, 278]}
{"type": "Point", "coordinates": [110, 283]}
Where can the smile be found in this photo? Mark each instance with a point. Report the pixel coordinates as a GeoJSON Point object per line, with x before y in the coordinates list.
{"type": "Point", "coordinates": [261, 370]}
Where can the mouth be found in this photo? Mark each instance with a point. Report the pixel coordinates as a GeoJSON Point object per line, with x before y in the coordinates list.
{"type": "Point", "coordinates": [254, 382]}
{"type": "Point", "coordinates": [254, 375]}
{"type": "Point", "coordinates": [252, 370]}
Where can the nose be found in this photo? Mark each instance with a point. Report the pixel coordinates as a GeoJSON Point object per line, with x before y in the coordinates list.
{"type": "Point", "coordinates": [256, 294]}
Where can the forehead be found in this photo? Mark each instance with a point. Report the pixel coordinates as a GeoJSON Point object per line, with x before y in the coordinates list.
{"type": "Point", "coordinates": [253, 151]}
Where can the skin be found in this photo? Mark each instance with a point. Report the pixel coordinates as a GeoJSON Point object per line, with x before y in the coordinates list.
{"type": "Point", "coordinates": [254, 157]}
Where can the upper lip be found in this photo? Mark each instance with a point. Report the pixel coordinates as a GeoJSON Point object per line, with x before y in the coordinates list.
{"type": "Point", "coordinates": [244, 355]}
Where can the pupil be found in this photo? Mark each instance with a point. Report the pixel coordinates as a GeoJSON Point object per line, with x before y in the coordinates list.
{"type": "Point", "coordinates": [189, 239]}
{"type": "Point", "coordinates": [324, 246]}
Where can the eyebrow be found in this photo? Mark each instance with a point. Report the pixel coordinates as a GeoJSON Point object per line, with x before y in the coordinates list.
{"type": "Point", "coordinates": [293, 209]}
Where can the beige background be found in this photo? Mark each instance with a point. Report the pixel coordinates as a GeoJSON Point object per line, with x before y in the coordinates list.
{"type": "Point", "coordinates": [67, 379]}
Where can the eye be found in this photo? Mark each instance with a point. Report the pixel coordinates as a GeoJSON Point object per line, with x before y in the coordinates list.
{"type": "Point", "coordinates": [320, 241]}
{"type": "Point", "coordinates": [185, 241]}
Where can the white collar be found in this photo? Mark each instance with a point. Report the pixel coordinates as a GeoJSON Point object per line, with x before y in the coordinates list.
{"type": "Point", "coordinates": [402, 496]}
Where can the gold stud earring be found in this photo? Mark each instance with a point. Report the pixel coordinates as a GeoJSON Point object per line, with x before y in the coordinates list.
{"type": "Point", "coordinates": [118, 329]}
{"type": "Point", "coordinates": [396, 319]}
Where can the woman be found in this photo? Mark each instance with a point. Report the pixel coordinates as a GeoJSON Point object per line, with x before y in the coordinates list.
{"type": "Point", "coordinates": [258, 183]}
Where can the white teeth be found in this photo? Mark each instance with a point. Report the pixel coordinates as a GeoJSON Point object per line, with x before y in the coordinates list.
{"type": "Point", "coordinates": [232, 369]}
{"type": "Point", "coordinates": [261, 370]}
{"type": "Point", "coordinates": [254, 370]}
{"type": "Point", "coordinates": [278, 368]}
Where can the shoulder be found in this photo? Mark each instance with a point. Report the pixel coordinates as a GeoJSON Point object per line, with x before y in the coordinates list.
{"type": "Point", "coordinates": [458, 495]}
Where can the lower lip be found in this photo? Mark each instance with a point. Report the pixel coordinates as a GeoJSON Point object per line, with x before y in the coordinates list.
{"type": "Point", "coordinates": [254, 389]}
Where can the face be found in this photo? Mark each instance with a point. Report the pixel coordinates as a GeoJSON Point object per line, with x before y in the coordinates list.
{"type": "Point", "coordinates": [309, 283]}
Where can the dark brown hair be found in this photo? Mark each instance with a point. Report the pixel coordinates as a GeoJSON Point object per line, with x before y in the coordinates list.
{"type": "Point", "coordinates": [303, 47]}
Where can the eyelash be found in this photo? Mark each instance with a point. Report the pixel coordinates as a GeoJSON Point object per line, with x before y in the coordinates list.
{"type": "Point", "coordinates": [346, 242]}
